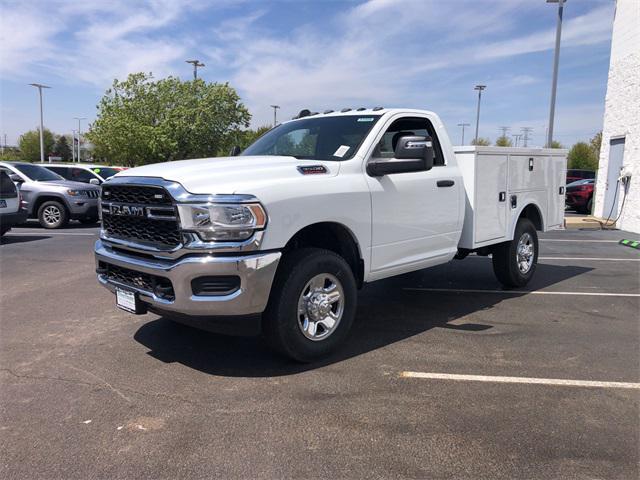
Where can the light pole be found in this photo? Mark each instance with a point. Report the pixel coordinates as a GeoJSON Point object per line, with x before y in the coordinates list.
{"type": "Point", "coordinates": [79, 137]}
{"type": "Point", "coordinates": [554, 80]}
{"type": "Point", "coordinates": [275, 114]}
{"type": "Point", "coordinates": [479, 88]}
{"type": "Point", "coordinates": [73, 146]}
{"type": "Point", "coordinates": [463, 125]}
{"type": "Point", "coordinates": [39, 86]}
{"type": "Point", "coordinates": [196, 64]}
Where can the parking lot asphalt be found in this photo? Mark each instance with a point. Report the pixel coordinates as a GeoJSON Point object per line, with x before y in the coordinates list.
{"type": "Point", "coordinates": [88, 391]}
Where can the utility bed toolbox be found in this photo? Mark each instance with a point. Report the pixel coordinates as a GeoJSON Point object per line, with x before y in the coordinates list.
{"type": "Point", "coordinates": [500, 181]}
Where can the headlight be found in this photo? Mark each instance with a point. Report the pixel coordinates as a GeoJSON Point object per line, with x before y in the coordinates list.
{"type": "Point", "coordinates": [223, 222]}
{"type": "Point", "coordinates": [74, 193]}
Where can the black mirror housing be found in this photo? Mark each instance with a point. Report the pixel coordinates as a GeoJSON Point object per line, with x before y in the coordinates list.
{"type": "Point", "coordinates": [235, 151]}
{"type": "Point", "coordinates": [15, 178]}
{"type": "Point", "coordinates": [413, 153]}
{"type": "Point", "coordinates": [414, 147]}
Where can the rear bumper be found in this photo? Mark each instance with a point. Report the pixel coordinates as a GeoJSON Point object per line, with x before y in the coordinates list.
{"type": "Point", "coordinates": [256, 272]}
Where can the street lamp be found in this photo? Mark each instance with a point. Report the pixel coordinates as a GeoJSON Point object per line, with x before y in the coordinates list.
{"type": "Point", "coordinates": [275, 116]}
{"type": "Point", "coordinates": [39, 86]}
{"type": "Point", "coordinates": [479, 88]}
{"type": "Point", "coordinates": [556, 59]}
{"type": "Point", "coordinates": [463, 125]}
{"type": "Point", "coordinates": [79, 137]}
{"type": "Point", "coordinates": [196, 64]}
{"type": "Point", "coordinates": [73, 146]}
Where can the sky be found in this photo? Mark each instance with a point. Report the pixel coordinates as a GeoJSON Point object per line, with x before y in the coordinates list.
{"type": "Point", "coordinates": [320, 55]}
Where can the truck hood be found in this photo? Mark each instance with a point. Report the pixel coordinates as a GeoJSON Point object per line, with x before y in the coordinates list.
{"type": "Point", "coordinates": [231, 175]}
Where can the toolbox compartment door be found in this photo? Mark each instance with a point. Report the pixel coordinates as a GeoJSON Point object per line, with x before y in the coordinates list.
{"type": "Point", "coordinates": [491, 197]}
{"type": "Point", "coordinates": [527, 172]}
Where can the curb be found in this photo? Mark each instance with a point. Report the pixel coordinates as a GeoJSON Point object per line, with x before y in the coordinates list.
{"type": "Point", "coordinates": [630, 243]}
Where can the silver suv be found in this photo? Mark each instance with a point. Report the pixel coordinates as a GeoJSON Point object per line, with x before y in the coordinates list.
{"type": "Point", "coordinates": [52, 199]}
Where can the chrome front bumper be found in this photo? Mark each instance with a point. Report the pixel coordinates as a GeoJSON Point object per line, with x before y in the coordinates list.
{"type": "Point", "coordinates": [256, 272]}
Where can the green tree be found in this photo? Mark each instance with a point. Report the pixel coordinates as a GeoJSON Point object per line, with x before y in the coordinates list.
{"type": "Point", "coordinates": [481, 141]}
{"type": "Point", "coordinates": [62, 149]}
{"type": "Point", "coordinates": [503, 141]}
{"type": "Point", "coordinates": [581, 156]}
{"type": "Point", "coordinates": [596, 143]}
{"type": "Point", "coordinates": [145, 121]}
{"type": "Point", "coordinates": [30, 145]}
{"type": "Point", "coordinates": [244, 138]}
{"type": "Point", "coordinates": [556, 144]}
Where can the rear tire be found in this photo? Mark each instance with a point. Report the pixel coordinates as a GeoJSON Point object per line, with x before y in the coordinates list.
{"type": "Point", "coordinates": [514, 262]}
{"type": "Point", "coordinates": [53, 214]}
{"type": "Point", "coordinates": [312, 305]}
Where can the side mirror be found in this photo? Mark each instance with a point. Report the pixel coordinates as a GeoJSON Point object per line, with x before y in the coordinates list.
{"type": "Point", "coordinates": [412, 154]}
{"type": "Point", "coordinates": [15, 178]}
{"type": "Point", "coordinates": [235, 151]}
{"type": "Point", "coordinates": [94, 181]}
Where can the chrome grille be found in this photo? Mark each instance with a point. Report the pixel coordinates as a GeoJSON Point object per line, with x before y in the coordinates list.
{"type": "Point", "coordinates": [157, 226]}
{"type": "Point", "coordinates": [91, 193]}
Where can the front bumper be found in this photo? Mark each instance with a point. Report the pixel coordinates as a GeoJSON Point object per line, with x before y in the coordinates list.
{"type": "Point", "coordinates": [83, 207]}
{"type": "Point", "coordinates": [256, 272]}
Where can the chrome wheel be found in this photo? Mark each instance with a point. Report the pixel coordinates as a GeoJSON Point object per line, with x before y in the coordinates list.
{"type": "Point", "coordinates": [320, 306]}
{"type": "Point", "coordinates": [525, 253]}
{"type": "Point", "coordinates": [51, 215]}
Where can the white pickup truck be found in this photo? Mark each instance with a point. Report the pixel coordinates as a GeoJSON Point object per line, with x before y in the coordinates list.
{"type": "Point", "coordinates": [278, 239]}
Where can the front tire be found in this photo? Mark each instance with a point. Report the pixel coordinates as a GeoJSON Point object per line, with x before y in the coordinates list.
{"type": "Point", "coordinates": [53, 214]}
{"type": "Point", "coordinates": [312, 304]}
{"type": "Point", "coordinates": [514, 262]}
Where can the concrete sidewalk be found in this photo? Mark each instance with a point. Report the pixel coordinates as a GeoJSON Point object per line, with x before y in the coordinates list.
{"type": "Point", "coordinates": [588, 222]}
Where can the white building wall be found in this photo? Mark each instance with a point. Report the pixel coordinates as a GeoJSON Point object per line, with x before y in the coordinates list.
{"type": "Point", "coordinates": [622, 113]}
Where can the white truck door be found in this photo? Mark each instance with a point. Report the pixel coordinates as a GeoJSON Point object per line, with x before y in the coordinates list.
{"type": "Point", "coordinates": [415, 220]}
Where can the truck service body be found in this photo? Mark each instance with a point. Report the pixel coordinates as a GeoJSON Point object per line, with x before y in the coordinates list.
{"type": "Point", "coordinates": [278, 239]}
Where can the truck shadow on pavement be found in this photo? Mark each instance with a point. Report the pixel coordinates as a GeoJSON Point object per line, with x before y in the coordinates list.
{"type": "Point", "coordinates": [388, 311]}
{"type": "Point", "coordinates": [17, 238]}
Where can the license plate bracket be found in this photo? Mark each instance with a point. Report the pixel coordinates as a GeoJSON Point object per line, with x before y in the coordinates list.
{"type": "Point", "coordinates": [128, 301]}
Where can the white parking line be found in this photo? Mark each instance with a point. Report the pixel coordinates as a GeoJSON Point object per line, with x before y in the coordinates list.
{"type": "Point", "coordinates": [526, 380]}
{"type": "Point", "coordinates": [595, 259]}
{"type": "Point", "coordinates": [521, 292]}
{"type": "Point", "coordinates": [26, 234]}
{"type": "Point", "coordinates": [576, 240]}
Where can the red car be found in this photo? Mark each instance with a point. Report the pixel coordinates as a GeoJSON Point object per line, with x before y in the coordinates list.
{"type": "Point", "coordinates": [573, 175]}
{"type": "Point", "coordinates": [580, 195]}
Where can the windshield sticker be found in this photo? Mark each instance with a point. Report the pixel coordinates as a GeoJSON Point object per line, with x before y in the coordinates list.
{"type": "Point", "coordinates": [96, 170]}
{"type": "Point", "coordinates": [365, 119]}
{"type": "Point", "coordinates": [341, 151]}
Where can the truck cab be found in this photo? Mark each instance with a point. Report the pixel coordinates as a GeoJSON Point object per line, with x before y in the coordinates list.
{"type": "Point", "coordinates": [278, 239]}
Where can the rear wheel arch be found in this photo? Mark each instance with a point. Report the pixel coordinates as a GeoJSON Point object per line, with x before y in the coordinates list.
{"type": "Point", "coordinates": [533, 214]}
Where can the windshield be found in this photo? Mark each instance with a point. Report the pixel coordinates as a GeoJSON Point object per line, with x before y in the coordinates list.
{"type": "Point", "coordinates": [319, 138]}
{"type": "Point", "coordinates": [37, 173]}
{"type": "Point", "coordinates": [105, 172]}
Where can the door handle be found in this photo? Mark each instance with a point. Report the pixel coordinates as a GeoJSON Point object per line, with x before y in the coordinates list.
{"type": "Point", "coordinates": [446, 183]}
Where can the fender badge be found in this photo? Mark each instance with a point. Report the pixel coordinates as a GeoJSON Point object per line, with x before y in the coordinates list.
{"type": "Point", "coordinates": [312, 169]}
